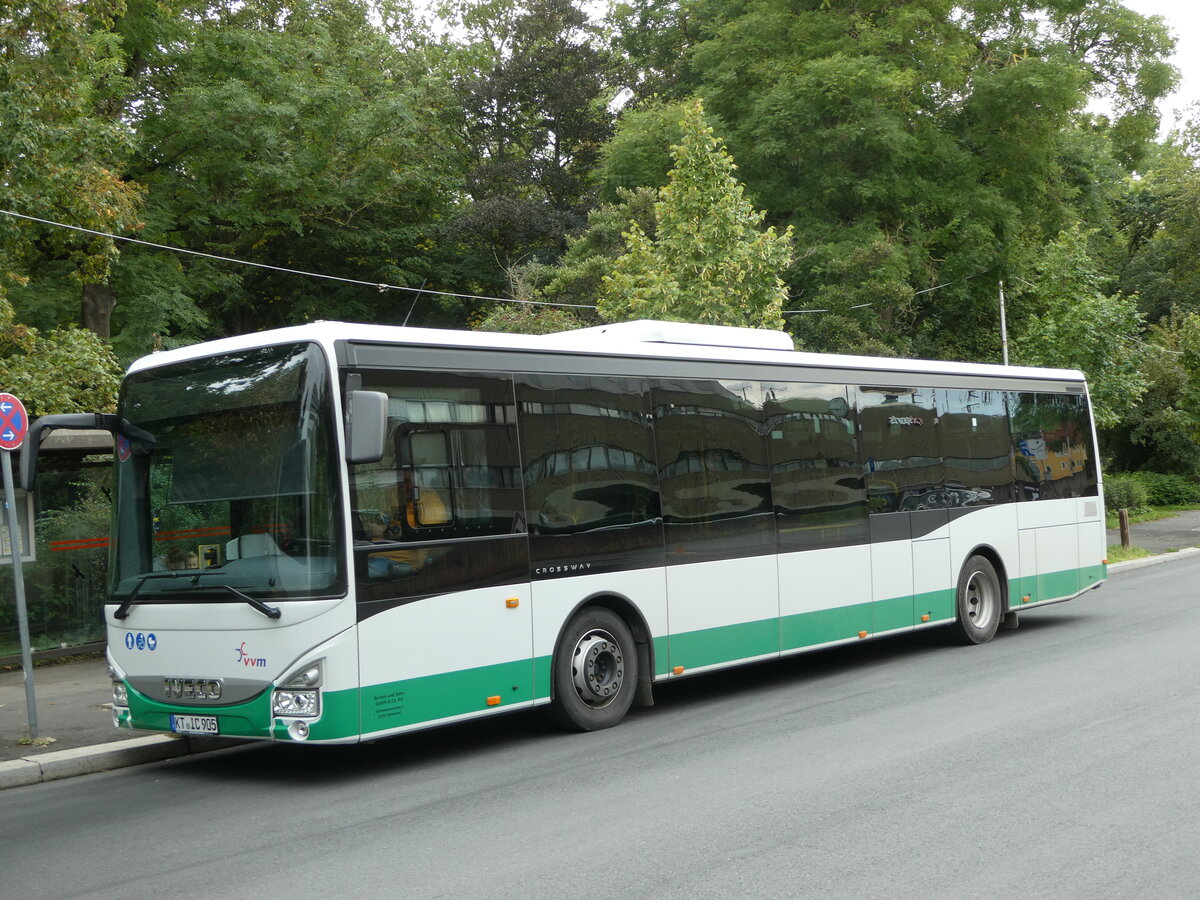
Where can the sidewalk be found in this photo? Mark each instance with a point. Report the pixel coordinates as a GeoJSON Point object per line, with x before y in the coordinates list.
{"type": "Point", "coordinates": [74, 700]}
{"type": "Point", "coordinates": [74, 707]}
{"type": "Point", "coordinates": [1163, 535]}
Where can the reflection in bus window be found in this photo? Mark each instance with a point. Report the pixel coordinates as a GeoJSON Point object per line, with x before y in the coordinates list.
{"type": "Point", "coordinates": [590, 485]}
{"type": "Point", "coordinates": [900, 448]}
{"type": "Point", "coordinates": [1051, 436]}
{"type": "Point", "coordinates": [716, 493]}
{"type": "Point", "coordinates": [820, 495]}
{"type": "Point", "coordinates": [449, 471]}
{"type": "Point", "coordinates": [975, 447]}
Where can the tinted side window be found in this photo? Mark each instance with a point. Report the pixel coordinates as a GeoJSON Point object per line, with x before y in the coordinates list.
{"type": "Point", "coordinates": [976, 448]}
{"type": "Point", "coordinates": [449, 473]}
{"type": "Point", "coordinates": [817, 480]}
{"type": "Point", "coordinates": [1052, 438]}
{"type": "Point", "coordinates": [900, 448]}
{"type": "Point", "coordinates": [716, 492]}
{"type": "Point", "coordinates": [587, 447]}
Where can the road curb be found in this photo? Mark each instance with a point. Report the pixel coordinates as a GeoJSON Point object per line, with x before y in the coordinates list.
{"type": "Point", "coordinates": [101, 758]}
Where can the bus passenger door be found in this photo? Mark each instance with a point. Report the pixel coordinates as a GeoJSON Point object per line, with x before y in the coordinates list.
{"type": "Point", "coordinates": [903, 464]}
{"type": "Point", "coordinates": [441, 554]}
{"type": "Point", "coordinates": [718, 525]}
{"type": "Point", "coordinates": [820, 514]}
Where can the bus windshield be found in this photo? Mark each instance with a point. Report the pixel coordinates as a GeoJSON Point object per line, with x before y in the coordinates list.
{"type": "Point", "coordinates": [238, 490]}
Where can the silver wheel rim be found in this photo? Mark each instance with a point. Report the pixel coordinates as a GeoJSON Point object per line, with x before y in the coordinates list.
{"type": "Point", "coordinates": [983, 602]}
{"type": "Point", "coordinates": [597, 668]}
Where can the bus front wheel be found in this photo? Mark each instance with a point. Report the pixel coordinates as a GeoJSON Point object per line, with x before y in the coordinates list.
{"type": "Point", "coordinates": [980, 601]}
{"type": "Point", "coordinates": [595, 671]}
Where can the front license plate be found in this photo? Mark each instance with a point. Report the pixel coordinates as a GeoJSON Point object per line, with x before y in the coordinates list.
{"type": "Point", "coordinates": [194, 725]}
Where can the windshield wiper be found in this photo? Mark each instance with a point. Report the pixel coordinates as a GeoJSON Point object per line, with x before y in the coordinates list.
{"type": "Point", "coordinates": [123, 610]}
{"type": "Point", "coordinates": [271, 612]}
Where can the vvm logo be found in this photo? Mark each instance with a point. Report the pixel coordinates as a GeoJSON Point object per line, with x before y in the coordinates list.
{"type": "Point", "coordinates": [258, 662]}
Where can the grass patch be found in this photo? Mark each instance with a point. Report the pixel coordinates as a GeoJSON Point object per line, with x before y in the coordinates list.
{"type": "Point", "coordinates": [1117, 553]}
{"type": "Point", "coordinates": [46, 663]}
{"type": "Point", "coordinates": [1147, 514]}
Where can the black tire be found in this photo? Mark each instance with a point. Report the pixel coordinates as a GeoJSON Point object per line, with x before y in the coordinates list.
{"type": "Point", "coordinates": [980, 602]}
{"type": "Point", "coordinates": [595, 671]}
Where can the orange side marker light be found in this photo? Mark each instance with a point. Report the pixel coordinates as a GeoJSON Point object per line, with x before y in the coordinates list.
{"type": "Point", "coordinates": [493, 701]}
{"type": "Point", "coordinates": [862, 634]}
{"type": "Point", "coordinates": [925, 617]}
{"type": "Point", "coordinates": [678, 670]}
{"type": "Point", "coordinates": [1026, 598]}
{"type": "Point", "coordinates": [512, 602]}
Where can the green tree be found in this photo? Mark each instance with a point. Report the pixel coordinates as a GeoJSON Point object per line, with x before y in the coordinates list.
{"type": "Point", "coordinates": [578, 278]}
{"type": "Point", "coordinates": [299, 136]}
{"type": "Point", "coordinates": [61, 371]}
{"type": "Point", "coordinates": [917, 148]}
{"type": "Point", "coordinates": [534, 82]}
{"type": "Point", "coordinates": [1163, 432]}
{"type": "Point", "coordinates": [1159, 232]}
{"type": "Point", "coordinates": [1071, 323]}
{"type": "Point", "coordinates": [710, 259]}
{"type": "Point", "coordinates": [639, 153]}
{"type": "Point", "coordinates": [60, 159]}
{"type": "Point", "coordinates": [525, 318]}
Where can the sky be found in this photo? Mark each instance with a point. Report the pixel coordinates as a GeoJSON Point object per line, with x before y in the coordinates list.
{"type": "Point", "coordinates": [1183, 18]}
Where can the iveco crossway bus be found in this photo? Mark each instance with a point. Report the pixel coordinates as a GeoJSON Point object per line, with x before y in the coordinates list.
{"type": "Point", "coordinates": [336, 532]}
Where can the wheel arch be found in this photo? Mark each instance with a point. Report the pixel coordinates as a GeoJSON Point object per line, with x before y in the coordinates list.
{"type": "Point", "coordinates": [992, 555]}
{"type": "Point", "coordinates": [622, 606]}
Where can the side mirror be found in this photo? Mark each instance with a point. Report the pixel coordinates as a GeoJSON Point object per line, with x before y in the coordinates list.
{"type": "Point", "coordinates": [43, 425]}
{"type": "Point", "coordinates": [366, 426]}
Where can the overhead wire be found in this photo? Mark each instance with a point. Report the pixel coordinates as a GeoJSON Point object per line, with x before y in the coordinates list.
{"type": "Point", "coordinates": [380, 286]}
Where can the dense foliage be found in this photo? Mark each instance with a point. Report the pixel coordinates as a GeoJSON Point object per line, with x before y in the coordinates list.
{"type": "Point", "coordinates": [865, 172]}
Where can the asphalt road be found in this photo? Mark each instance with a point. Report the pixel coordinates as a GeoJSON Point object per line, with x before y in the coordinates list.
{"type": "Point", "coordinates": [1060, 760]}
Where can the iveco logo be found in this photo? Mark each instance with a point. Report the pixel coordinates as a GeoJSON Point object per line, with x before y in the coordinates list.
{"type": "Point", "coordinates": [191, 689]}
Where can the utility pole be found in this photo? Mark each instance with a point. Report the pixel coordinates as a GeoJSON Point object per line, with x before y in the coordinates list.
{"type": "Point", "coordinates": [1003, 326]}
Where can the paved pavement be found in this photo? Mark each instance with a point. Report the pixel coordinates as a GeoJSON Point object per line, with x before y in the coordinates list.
{"type": "Point", "coordinates": [74, 707]}
{"type": "Point", "coordinates": [1164, 535]}
{"type": "Point", "coordinates": [74, 699]}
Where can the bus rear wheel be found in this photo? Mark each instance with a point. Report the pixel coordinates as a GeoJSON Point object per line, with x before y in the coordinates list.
{"type": "Point", "coordinates": [595, 671]}
{"type": "Point", "coordinates": [980, 601]}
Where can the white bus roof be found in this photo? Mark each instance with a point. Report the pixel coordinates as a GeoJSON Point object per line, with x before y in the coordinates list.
{"type": "Point", "coordinates": [643, 338]}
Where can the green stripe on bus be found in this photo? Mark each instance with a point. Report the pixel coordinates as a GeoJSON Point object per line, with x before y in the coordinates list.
{"type": "Point", "coordinates": [662, 655]}
{"type": "Point", "coordinates": [396, 704]}
{"type": "Point", "coordinates": [1054, 585]}
{"type": "Point", "coordinates": [725, 643]}
{"type": "Point", "coordinates": [339, 717]}
{"type": "Point", "coordinates": [825, 625]}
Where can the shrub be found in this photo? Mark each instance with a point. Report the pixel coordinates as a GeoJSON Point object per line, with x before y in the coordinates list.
{"type": "Point", "coordinates": [1124, 491]}
{"type": "Point", "coordinates": [1166, 490]}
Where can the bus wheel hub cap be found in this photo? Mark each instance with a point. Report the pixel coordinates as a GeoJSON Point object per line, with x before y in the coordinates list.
{"type": "Point", "coordinates": [597, 668]}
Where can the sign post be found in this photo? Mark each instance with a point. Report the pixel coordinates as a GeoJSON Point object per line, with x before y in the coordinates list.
{"type": "Point", "coordinates": [14, 425]}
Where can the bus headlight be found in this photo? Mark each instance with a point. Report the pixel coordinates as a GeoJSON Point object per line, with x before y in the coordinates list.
{"type": "Point", "coordinates": [120, 694]}
{"type": "Point", "coordinates": [299, 694]}
{"type": "Point", "coordinates": [296, 703]}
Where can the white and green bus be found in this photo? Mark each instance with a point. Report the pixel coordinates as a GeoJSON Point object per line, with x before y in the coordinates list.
{"type": "Point", "coordinates": [337, 532]}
